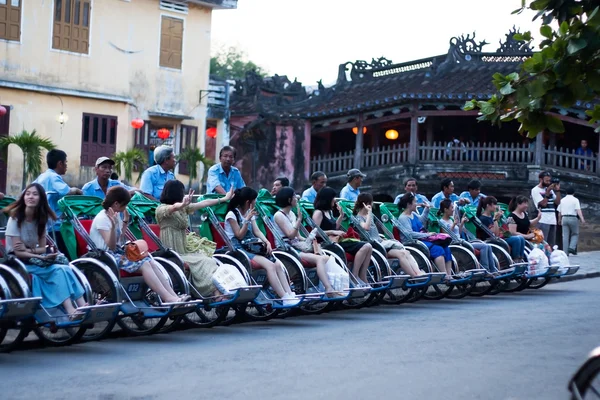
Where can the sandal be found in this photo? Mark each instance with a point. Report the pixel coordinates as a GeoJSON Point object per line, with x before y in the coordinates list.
{"type": "Point", "coordinates": [76, 316]}
{"type": "Point", "coordinates": [184, 297]}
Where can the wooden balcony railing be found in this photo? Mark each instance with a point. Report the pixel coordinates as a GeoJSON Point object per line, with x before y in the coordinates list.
{"type": "Point", "coordinates": [439, 152]}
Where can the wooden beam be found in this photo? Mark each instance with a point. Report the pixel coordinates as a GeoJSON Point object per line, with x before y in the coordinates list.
{"type": "Point", "coordinates": [358, 150]}
{"type": "Point", "coordinates": [573, 120]}
{"type": "Point", "coordinates": [414, 138]}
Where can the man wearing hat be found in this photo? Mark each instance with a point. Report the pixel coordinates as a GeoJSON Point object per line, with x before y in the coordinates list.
{"type": "Point", "coordinates": [99, 186]}
{"type": "Point", "coordinates": [351, 191]}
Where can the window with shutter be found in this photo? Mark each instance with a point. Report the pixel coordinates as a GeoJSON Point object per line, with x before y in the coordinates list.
{"type": "Point", "coordinates": [71, 31]}
{"type": "Point", "coordinates": [10, 19]}
{"type": "Point", "coordinates": [171, 42]}
{"type": "Point", "coordinates": [188, 140]}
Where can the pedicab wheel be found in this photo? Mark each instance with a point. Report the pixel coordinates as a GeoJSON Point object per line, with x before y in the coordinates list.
{"type": "Point", "coordinates": [397, 296]}
{"type": "Point", "coordinates": [538, 283]}
{"type": "Point", "coordinates": [12, 333]}
{"type": "Point", "coordinates": [461, 290]}
{"type": "Point", "coordinates": [254, 312]}
{"type": "Point", "coordinates": [516, 284]}
{"type": "Point", "coordinates": [103, 291]}
{"type": "Point", "coordinates": [586, 382]}
{"type": "Point", "coordinates": [178, 282]}
{"type": "Point", "coordinates": [372, 298]}
{"type": "Point", "coordinates": [482, 288]}
{"type": "Point", "coordinates": [52, 335]}
{"type": "Point", "coordinates": [437, 292]}
{"type": "Point", "coordinates": [137, 324]}
{"type": "Point", "coordinates": [317, 307]}
{"type": "Point", "coordinates": [207, 317]}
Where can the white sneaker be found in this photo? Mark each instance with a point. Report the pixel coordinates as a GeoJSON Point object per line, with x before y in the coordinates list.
{"type": "Point", "coordinates": [289, 299]}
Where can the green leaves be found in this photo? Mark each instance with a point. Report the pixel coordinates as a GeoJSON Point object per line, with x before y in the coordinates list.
{"type": "Point", "coordinates": [576, 45]}
{"type": "Point", "coordinates": [546, 31]}
{"type": "Point", "coordinates": [554, 124]}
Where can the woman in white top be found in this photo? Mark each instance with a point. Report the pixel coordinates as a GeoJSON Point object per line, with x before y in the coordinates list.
{"type": "Point", "coordinates": [289, 226]}
{"type": "Point", "coordinates": [240, 225]}
{"type": "Point", "coordinates": [363, 209]}
{"type": "Point", "coordinates": [107, 234]}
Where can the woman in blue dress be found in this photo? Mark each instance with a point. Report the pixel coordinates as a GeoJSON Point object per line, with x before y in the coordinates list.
{"type": "Point", "coordinates": [52, 278]}
{"type": "Point", "coordinates": [414, 225]}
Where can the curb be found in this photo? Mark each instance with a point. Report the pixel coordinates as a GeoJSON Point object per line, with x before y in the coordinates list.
{"type": "Point", "coordinates": [577, 277]}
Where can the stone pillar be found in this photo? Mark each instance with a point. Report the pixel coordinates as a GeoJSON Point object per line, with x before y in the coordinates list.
{"type": "Point", "coordinates": [539, 149]}
{"type": "Point", "coordinates": [358, 149]}
{"type": "Point", "coordinates": [308, 155]}
{"type": "Point", "coordinates": [429, 131]}
{"type": "Point", "coordinates": [413, 145]}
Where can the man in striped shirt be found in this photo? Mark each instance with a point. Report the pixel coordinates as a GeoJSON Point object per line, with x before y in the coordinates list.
{"type": "Point", "coordinates": [546, 195]}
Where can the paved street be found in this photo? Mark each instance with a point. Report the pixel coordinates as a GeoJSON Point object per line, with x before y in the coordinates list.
{"type": "Point", "coordinates": [513, 346]}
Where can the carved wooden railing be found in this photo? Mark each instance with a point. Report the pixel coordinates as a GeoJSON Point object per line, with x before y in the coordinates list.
{"type": "Point", "coordinates": [439, 152]}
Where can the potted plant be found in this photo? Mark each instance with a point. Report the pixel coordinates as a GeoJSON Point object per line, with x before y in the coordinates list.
{"type": "Point", "coordinates": [126, 161]}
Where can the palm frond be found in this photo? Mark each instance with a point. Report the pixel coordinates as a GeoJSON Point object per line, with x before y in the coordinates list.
{"type": "Point", "coordinates": [193, 156]}
{"type": "Point", "coordinates": [31, 145]}
{"type": "Point", "coordinates": [126, 161]}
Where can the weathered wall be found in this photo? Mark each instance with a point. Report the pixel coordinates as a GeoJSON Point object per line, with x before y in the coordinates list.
{"type": "Point", "coordinates": [123, 60]}
{"type": "Point", "coordinates": [269, 150]}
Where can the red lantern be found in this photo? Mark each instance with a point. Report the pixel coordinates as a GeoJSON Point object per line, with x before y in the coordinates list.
{"type": "Point", "coordinates": [211, 132]}
{"type": "Point", "coordinates": [2, 111]}
{"type": "Point", "coordinates": [137, 123]}
{"type": "Point", "coordinates": [163, 133]}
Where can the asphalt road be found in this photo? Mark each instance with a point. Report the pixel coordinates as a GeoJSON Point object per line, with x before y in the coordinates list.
{"type": "Point", "coordinates": [513, 346]}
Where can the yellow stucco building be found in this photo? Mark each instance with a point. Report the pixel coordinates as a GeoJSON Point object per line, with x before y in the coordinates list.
{"type": "Point", "coordinates": [102, 63]}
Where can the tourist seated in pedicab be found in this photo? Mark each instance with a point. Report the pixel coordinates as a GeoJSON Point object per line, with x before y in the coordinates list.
{"type": "Point", "coordinates": [414, 224]}
{"type": "Point", "coordinates": [308, 248]}
{"type": "Point", "coordinates": [446, 211]}
{"type": "Point", "coordinates": [363, 209]}
{"type": "Point", "coordinates": [519, 223]}
{"type": "Point", "coordinates": [108, 234]}
{"type": "Point", "coordinates": [323, 217]}
{"type": "Point", "coordinates": [240, 227]}
{"type": "Point", "coordinates": [172, 218]}
{"type": "Point", "coordinates": [51, 276]}
{"type": "Point", "coordinates": [490, 214]}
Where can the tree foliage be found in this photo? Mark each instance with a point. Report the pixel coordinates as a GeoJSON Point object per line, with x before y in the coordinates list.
{"type": "Point", "coordinates": [564, 71]}
{"type": "Point", "coordinates": [193, 156]}
{"type": "Point", "coordinates": [126, 160]}
{"type": "Point", "coordinates": [31, 145]}
{"type": "Point", "coordinates": [231, 63]}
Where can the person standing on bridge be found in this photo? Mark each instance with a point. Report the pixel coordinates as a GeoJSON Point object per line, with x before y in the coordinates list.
{"type": "Point", "coordinates": [351, 190]}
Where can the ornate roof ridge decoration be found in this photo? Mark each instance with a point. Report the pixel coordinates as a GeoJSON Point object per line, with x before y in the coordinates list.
{"type": "Point", "coordinates": [254, 84]}
{"type": "Point", "coordinates": [512, 46]}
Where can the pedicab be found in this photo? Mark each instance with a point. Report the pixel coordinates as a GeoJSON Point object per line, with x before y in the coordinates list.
{"type": "Point", "coordinates": [303, 276]}
{"type": "Point", "coordinates": [215, 309]}
{"type": "Point", "coordinates": [265, 305]}
{"type": "Point", "coordinates": [52, 325]}
{"type": "Point", "coordinates": [141, 310]}
{"type": "Point", "coordinates": [585, 383]}
{"type": "Point", "coordinates": [460, 283]}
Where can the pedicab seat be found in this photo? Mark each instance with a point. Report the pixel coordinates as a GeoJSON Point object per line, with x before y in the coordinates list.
{"type": "Point", "coordinates": [216, 237]}
{"type": "Point", "coordinates": [152, 246]}
{"type": "Point", "coordinates": [82, 247]}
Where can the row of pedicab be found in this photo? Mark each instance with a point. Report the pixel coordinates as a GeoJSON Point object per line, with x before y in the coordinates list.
{"type": "Point", "coordinates": [119, 298]}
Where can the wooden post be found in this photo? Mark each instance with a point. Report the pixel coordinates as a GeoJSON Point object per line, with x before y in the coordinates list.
{"type": "Point", "coordinates": [358, 149]}
{"type": "Point", "coordinates": [414, 139]}
{"type": "Point", "coordinates": [429, 130]}
{"type": "Point", "coordinates": [597, 160]}
{"type": "Point", "coordinates": [539, 148]}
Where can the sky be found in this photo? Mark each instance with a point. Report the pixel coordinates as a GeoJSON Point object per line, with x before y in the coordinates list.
{"type": "Point", "coordinates": [308, 39]}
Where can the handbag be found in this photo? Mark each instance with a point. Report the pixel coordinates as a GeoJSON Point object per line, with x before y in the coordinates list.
{"type": "Point", "coordinates": [195, 243]}
{"type": "Point", "coordinates": [136, 251]}
{"type": "Point", "coordinates": [350, 236]}
{"type": "Point", "coordinates": [255, 246]}
{"type": "Point", "coordinates": [538, 236]}
{"type": "Point", "coordinates": [439, 239]}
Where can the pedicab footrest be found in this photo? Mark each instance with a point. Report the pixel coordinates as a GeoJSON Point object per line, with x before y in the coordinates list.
{"type": "Point", "coordinates": [19, 308]}
{"type": "Point", "coordinates": [358, 292]}
{"type": "Point", "coordinates": [396, 281]}
{"type": "Point", "coordinates": [564, 271]}
{"type": "Point", "coordinates": [101, 312]}
{"type": "Point", "coordinates": [240, 295]}
{"type": "Point", "coordinates": [543, 272]}
{"type": "Point", "coordinates": [437, 278]}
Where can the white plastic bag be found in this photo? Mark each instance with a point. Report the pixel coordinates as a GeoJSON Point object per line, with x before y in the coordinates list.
{"type": "Point", "coordinates": [338, 277]}
{"type": "Point", "coordinates": [559, 258]}
{"type": "Point", "coordinates": [227, 278]}
{"type": "Point", "coordinates": [538, 262]}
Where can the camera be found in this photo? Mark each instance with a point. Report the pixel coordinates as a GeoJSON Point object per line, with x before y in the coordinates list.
{"type": "Point", "coordinates": [555, 181]}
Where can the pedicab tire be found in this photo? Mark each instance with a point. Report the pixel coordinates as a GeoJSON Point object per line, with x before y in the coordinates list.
{"type": "Point", "coordinates": [203, 318]}
{"type": "Point", "coordinates": [46, 334]}
{"type": "Point", "coordinates": [538, 283]}
{"type": "Point", "coordinates": [18, 329]}
{"type": "Point", "coordinates": [585, 376]}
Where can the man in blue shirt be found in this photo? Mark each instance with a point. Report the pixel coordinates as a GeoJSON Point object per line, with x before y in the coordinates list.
{"type": "Point", "coordinates": [410, 186]}
{"type": "Point", "coordinates": [319, 180]}
{"type": "Point", "coordinates": [584, 151]}
{"type": "Point", "coordinates": [56, 188]}
{"type": "Point", "coordinates": [447, 193]}
{"type": "Point", "coordinates": [223, 176]}
{"type": "Point", "coordinates": [99, 186]}
{"type": "Point", "coordinates": [155, 177]}
{"type": "Point", "coordinates": [473, 193]}
{"type": "Point", "coordinates": [351, 191]}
